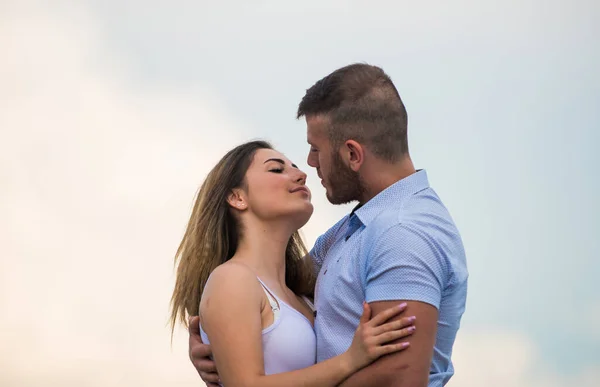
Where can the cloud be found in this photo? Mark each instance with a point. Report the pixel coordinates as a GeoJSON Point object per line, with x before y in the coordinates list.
{"type": "Point", "coordinates": [498, 358]}
{"type": "Point", "coordinates": [98, 176]}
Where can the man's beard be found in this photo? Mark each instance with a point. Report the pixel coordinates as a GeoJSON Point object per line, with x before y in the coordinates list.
{"type": "Point", "coordinates": [345, 185]}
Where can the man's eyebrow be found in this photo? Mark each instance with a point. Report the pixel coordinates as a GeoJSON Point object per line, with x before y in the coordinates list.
{"type": "Point", "coordinates": [280, 161]}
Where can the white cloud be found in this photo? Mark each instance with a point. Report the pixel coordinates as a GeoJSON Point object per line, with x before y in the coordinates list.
{"type": "Point", "coordinates": [416, 25]}
{"type": "Point", "coordinates": [97, 181]}
{"type": "Point", "coordinates": [508, 359]}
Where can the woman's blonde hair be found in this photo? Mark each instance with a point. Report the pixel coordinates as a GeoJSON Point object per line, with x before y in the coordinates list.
{"type": "Point", "coordinates": [213, 232]}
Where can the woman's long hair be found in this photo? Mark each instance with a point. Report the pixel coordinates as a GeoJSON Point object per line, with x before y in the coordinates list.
{"type": "Point", "coordinates": [213, 232]}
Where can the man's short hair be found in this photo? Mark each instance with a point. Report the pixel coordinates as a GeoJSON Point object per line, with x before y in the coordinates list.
{"type": "Point", "coordinates": [362, 104]}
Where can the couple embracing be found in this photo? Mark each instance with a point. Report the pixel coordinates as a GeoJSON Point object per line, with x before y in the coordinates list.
{"type": "Point", "coordinates": [376, 302]}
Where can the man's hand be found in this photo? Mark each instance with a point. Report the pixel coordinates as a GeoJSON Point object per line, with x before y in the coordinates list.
{"type": "Point", "coordinates": [200, 355]}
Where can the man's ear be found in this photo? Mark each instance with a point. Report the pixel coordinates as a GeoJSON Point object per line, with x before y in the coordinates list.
{"type": "Point", "coordinates": [237, 200]}
{"type": "Point", "coordinates": [354, 154]}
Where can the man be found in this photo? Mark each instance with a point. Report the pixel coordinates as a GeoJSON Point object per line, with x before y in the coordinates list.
{"type": "Point", "coordinates": [399, 244]}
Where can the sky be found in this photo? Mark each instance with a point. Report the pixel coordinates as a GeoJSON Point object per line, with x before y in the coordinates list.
{"type": "Point", "coordinates": [112, 112]}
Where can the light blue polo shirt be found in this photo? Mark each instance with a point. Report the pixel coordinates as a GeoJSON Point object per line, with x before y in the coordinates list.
{"type": "Point", "coordinates": [400, 245]}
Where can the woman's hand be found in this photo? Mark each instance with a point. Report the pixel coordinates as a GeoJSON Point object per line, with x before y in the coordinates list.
{"type": "Point", "coordinates": [373, 335]}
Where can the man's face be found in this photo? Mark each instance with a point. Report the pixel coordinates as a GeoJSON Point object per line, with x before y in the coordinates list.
{"type": "Point", "coordinates": [342, 184]}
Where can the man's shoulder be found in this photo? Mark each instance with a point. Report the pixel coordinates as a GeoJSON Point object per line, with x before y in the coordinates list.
{"type": "Point", "coordinates": [420, 221]}
{"type": "Point", "coordinates": [423, 211]}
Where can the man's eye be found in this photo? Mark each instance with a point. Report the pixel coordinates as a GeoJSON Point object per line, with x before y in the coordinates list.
{"type": "Point", "coordinates": [314, 150]}
{"type": "Point", "coordinates": [276, 170]}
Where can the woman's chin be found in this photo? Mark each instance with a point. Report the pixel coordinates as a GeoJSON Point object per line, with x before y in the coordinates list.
{"type": "Point", "coordinates": [303, 216]}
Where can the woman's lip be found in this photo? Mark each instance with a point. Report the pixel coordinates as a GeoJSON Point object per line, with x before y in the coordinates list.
{"type": "Point", "coordinates": [303, 189]}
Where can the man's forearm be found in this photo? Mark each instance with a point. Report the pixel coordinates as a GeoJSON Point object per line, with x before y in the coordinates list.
{"type": "Point", "coordinates": [384, 377]}
{"type": "Point", "coordinates": [367, 379]}
{"type": "Point", "coordinates": [408, 368]}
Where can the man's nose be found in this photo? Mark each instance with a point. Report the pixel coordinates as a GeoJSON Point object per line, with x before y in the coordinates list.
{"type": "Point", "coordinates": [312, 160]}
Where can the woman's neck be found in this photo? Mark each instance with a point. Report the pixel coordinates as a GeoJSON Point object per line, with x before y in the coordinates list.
{"type": "Point", "coordinates": [262, 247]}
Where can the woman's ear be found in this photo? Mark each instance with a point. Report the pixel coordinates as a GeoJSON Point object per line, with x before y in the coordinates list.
{"type": "Point", "coordinates": [236, 199]}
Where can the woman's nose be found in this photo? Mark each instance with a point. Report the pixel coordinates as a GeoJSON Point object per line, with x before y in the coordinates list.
{"type": "Point", "coordinates": [301, 179]}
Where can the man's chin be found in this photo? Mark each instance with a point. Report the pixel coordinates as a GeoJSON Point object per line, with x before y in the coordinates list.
{"type": "Point", "coordinates": [330, 197]}
{"type": "Point", "coordinates": [335, 200]}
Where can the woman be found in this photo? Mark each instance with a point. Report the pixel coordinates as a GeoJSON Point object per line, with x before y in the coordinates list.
{"type": "Point", "coordinates": [241, 268]}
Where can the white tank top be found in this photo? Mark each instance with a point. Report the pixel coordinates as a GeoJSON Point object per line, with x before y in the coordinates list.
{"type": "Point", "coordinates": [289, 343]}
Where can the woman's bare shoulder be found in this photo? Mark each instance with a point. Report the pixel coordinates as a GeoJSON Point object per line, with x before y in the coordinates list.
{"type": "Point", "coordinates": [231, 280]}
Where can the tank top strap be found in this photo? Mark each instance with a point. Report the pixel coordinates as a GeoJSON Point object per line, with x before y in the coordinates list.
{"type": "Point", "coordinates": [310, 304]}
{"type": "Point", "coordinates": [272, 299]}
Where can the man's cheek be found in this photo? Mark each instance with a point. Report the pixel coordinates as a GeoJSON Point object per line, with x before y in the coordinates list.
{"type": "Point", "coordinates": [323, 166]}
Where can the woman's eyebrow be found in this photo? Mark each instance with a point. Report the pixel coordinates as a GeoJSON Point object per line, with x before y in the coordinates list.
{"type": "Point", "coordinates": [280, 161]}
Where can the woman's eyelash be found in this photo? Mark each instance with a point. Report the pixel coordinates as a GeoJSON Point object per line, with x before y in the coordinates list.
{"type": "Point", "coordinates": [276, 170]}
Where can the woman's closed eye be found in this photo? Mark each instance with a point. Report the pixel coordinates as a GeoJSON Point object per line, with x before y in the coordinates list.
{"type": "Point", "coordinates": [276, 170]}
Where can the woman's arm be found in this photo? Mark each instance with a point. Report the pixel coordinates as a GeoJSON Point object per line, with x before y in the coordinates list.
{"type": "Point", "coordinates": [231, 316]}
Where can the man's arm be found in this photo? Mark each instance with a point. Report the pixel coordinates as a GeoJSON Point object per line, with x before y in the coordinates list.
{"type": "Point", "coordinates": [403, 264]}
{"type": "Point", "coordinates": [200, 355]}
{"type": "Point", "coordinates": [407, 368]}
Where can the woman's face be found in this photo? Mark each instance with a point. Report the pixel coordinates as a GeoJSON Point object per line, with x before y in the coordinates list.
{"type": "Point", "coordinates": [276, 189]}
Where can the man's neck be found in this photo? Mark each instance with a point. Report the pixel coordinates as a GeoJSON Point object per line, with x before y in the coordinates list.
{"type": "Point", "coordinates": [379, 175]}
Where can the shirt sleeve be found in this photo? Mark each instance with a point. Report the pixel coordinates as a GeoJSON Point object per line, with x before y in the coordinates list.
{"type": "Point", "coordinates": [404, 264]}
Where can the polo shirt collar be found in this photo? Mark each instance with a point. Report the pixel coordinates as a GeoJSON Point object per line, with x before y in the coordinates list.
{"type": "Point", "coordinates": [392, 196]}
